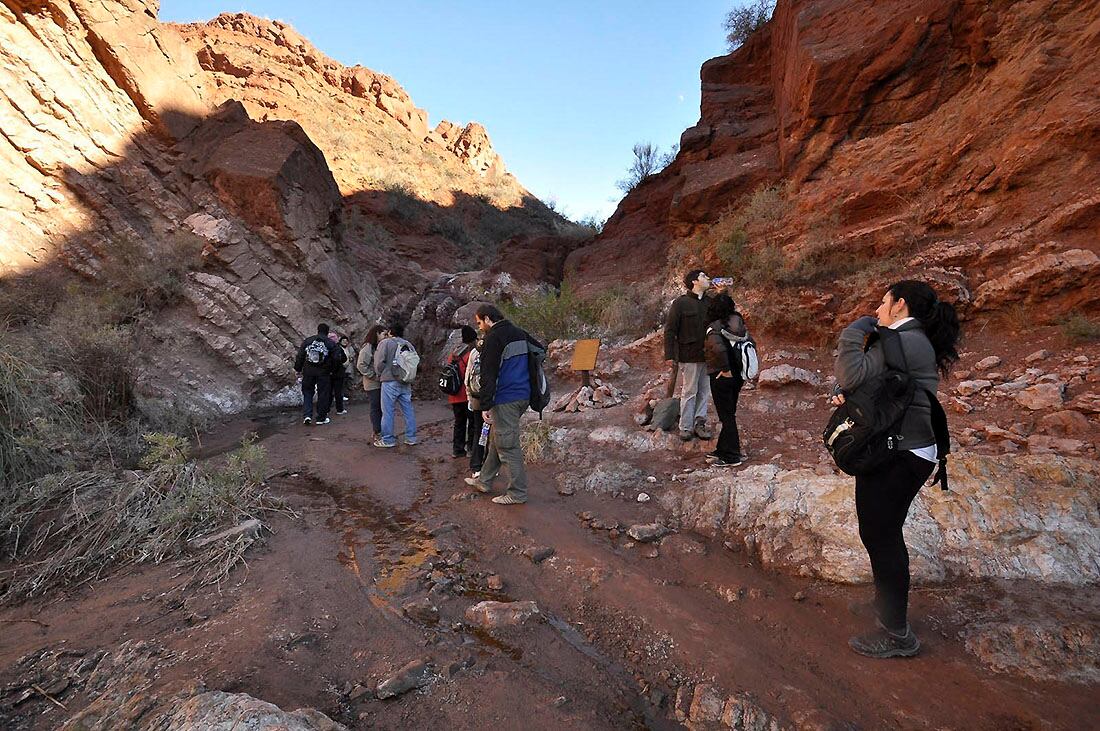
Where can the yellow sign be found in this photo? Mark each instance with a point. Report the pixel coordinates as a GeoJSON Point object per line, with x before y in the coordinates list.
{"type": "Point", "coordinates": [584, 355]}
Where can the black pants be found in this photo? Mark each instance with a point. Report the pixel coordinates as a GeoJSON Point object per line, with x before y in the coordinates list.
{"type": "Point", "coordinates": [337, 391]}
{"type": "Point", "coordinates": [460, 439]}
{"type": "Point", "coordinates": [882, 503]}
{"type": "Point", "coordinates": [473, 431]}
{"type": "Point", "coordinates": [725, 392]}
{"type": "Point", "coordinates": [374, 397]}
{"type": "Point", "coordinates": [322, 385]}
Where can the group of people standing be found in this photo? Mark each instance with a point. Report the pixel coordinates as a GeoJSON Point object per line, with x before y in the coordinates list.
{"type": "Point", "coordinates": [492, 362]}
{"type": "Point", "coordinates": [709, 361]}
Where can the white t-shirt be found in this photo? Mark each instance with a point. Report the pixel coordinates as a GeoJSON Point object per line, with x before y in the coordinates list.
{"type": "Point", "coordinates": [930, 453]}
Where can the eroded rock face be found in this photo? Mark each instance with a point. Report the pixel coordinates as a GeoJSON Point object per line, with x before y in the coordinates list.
{"type": "Point", "coordinates": [895, 128]}
{"type": "Point", "coordinates": [1012, 517]}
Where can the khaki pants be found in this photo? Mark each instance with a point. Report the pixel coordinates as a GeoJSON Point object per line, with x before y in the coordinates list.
{"type": "Point", "coordinates": [504, 449]}
{"type": "Point", "coordinates": [694, 394]}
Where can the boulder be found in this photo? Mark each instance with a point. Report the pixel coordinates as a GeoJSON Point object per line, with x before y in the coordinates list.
{"type": "Point", "coordinates": [785, 375]}
{"type": "Point", "coordinates": [217, 710]}
{"type": "Point", "coordinates": [492, 615]}
{"type": "Point", "coordinates": [986, 364]}
{"type": "Point", "coordinates": [1067, 422]}
{"type": "Point", "coordinates": [1042, 396]}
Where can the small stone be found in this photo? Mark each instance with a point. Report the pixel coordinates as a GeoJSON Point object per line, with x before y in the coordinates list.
{"type": "Point", "coordinates": [969, 388]}
{"type": "Point", "coordinates": [613, 534]}
{"type": "Point", "coordinates": [1037, 356]}
{"type": "Point", "coordinates": [358, 692]}
{"type": "Point", "coordinates": [566, 490]}
{"type": "Point", "coordinates": [249, 528]}
{"type": "Point", "coordinates": [646, 532]}
{"type": "Point", "coordinates": [651, 479]}
{"type": "Point", "coordinates": [413, 675]}
{"type": "Point", "coordinates": [986, 363]}
{"type": "Point", "coordinates": [800, 596]}
{"type": "Point", "coordinates": [443, 529]}
{"type": "Point", "coordinates": [652, 553]}
{"type": "Point", "coordinates": [643, 497]}
{"type": "Point", "coordinates": [421, 610]}
{"type": "Point", "coordinates": [538, 554]}
{"type": "Point", "coordinates": [490, 614]}
{"type": "Point", "coordinates": [730, 546]}
{"type": "Point", "coordinates": [586, 516]}
{"type": "Point", "coordinates": [495, 583]}
{"type": "Point", "coordinates": [560, 701]}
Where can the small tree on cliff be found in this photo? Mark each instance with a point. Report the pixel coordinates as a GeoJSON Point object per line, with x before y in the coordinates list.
{"type": "Point", "coordinates": [743, 21]}
{"type": "Point", "coordinates": [647, 161]}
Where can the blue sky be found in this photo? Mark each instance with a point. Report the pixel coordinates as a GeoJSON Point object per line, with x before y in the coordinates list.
{"type": "Point", "coordinates": [564, 88]}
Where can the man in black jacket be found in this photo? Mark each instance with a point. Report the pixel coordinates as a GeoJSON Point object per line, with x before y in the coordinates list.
{"type": "Point", "coordinates": [317, 358]}
{"type": "Point", "coordinates": [504, 397]}
{"type": "Point", "coordinates": [685, 334]}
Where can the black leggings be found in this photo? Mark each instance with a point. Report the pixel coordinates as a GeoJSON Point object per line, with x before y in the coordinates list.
{"type": "Point", "coordinates": [882, 504]}
{"type": "Point", "coordinates": [725, 392]}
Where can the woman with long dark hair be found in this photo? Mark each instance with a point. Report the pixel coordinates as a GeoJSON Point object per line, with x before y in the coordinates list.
{"type": "Point", "coordinates": [928, 330]}
{"type": "Point", "coordinates": [724, 370]}
{"type": "Point", "coordinates": [371, 384]}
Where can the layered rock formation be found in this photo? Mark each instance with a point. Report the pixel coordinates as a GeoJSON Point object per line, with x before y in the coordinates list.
{"type": "Point", "coordinates": [315, 191]}
{"type": "Point", "coordinates": [953, 138]}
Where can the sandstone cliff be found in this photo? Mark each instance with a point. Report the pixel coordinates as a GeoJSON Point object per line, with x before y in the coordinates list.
{"type": "Point", "coordinates": [313, 191]}
{"type": "Point", "coordinates": [957, 139]}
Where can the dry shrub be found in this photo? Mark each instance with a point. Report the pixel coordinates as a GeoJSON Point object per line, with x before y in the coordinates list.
{"type": "Point", "coordinates": [69, 528]}
{"type": "Point", "coordinates": [1079, 328]}
{"type": "Point", "coordinates": [619, 311]}
{"type": "Point", "coordinates": [535, 441]}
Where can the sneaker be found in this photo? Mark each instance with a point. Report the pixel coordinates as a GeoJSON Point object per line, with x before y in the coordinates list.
{"type": "Point", "coordinates": [712, 456]}
{"type": "Point", "coordinates": [459, 455]}
{"type": "Point", "coordinates": [883, 643]}
{"type": "Point", "coordinates": [719, 462]}
{"type": "Point", "coordinates": [341, 412]}
{"type": "Point", "coordinates": [325, 420]}
{"type": "Point", "coordinates": [687, 435]}
{"type": "Point", "coordinates": [380, 443]}
{"type": "Point", "coordinates": [410, 442]}
{"type": "Point", "coordinates": [702, 431]}
{"type": "Point", "coordinates": [308, 420]}
{"type": "Point", "coordinates": [507, 500]}
{"type": "Point", "coordinates": [476, 484]}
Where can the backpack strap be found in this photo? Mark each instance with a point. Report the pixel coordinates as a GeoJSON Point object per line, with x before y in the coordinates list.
{"type": "Point", "coordinates": [943, 438]}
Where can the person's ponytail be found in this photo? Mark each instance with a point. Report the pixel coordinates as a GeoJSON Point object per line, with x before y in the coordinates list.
{"type": "Point", "coordinates": [940, 320]}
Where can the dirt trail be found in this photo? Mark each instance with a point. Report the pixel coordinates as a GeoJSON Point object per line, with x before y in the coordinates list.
{"type": "Point", "coordinates": [317, 618]}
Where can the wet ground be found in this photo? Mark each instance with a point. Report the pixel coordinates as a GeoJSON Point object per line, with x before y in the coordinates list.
{"type": "Point", "coordinates": [317, 617]}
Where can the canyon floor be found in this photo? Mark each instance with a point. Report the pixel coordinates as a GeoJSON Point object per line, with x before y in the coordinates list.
{"type": "Point", "coordinates": [627, 636]}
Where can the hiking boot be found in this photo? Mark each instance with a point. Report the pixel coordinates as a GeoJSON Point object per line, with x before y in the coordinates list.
{"type": "Point", "coordinates": [476, 484]}
{"type": "Point", "coordinates": [702, 431]}
{"type": "Point", "coordinates": [882, 644]}
{"type": "Point", "coordinates": [382, 444]}
{"type": "Point", "coordinates": [687, 435]}
{"type": "Point", "coordinates": [308, 420]}
{"type": "Point", "coordinates": [325, 420]}
{"type": "Point", "coordinates": [507, 500]}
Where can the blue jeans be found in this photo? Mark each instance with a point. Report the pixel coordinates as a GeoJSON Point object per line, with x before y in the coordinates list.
{"type": "Point", "coordinates": [395, 393]}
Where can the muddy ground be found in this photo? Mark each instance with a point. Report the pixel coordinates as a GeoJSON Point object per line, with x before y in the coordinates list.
{"type": "Point", "coordinates": [626, 632]}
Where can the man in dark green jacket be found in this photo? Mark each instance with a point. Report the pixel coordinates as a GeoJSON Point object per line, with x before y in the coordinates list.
{"type": "Point", "coordinates": [685, 334]}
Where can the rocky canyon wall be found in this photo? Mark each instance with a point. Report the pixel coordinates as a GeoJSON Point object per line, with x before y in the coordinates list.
{"type": "Point", "coordinates": [307, 190]}
{"type": "Point", "coordinates": [952, 138]}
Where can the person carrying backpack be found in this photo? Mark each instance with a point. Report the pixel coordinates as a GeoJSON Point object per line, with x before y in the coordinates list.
{"type": "Point", "coordinates": [725, 334]}
{"type": "Point", "coordinates": [504, 396]}
{"type": "Point", "coordinates": [396, 363]}
{"type": "Point", "coordinates": [314, 365]}
{"type": "Point", "coordinates": [371, 385]}
{"type": "Point", "coordinates": [927, 331]}
{"type": "Point", "coordinates": [463, 436]}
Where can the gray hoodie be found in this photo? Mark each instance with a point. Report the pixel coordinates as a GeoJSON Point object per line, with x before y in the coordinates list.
{"type": "Point", "coordinates": [383, 359]}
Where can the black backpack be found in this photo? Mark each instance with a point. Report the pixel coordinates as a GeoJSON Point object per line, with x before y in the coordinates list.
{"type": "Point", "coordinates": [862, 434]}
{"type": "Point", "coordinates": [536, 370]}
{"type": "Point", "coordinates": [450, 378]}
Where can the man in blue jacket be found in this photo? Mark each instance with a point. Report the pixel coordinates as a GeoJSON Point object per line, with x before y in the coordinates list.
{"type": "Point", "coordinates": [505, 395]}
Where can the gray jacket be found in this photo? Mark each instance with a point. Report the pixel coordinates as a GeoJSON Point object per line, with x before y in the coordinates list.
{"type": "Point", "coordinates": [854, 367]}
{"type": "Point", "coordinates": [383, 358]}
{"type": "Point", "coordinates": [365, 365]}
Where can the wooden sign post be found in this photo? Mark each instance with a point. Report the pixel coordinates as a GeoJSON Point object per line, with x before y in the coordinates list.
{"type": "Point", "coordinates": [584, 358]}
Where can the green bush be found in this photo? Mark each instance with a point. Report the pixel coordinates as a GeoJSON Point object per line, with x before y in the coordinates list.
{"type": "Point", "coordinates": [619, 311]}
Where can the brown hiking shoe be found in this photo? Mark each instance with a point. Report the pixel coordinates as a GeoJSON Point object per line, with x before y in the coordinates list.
{"type": "Point", "coordinates": [883, 643]}
{"type": "Point", "coordinates": [702, 431]}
